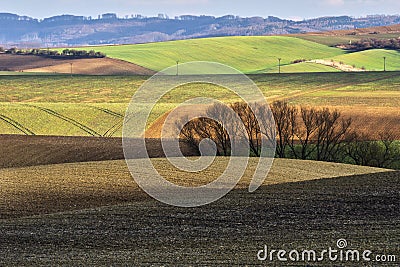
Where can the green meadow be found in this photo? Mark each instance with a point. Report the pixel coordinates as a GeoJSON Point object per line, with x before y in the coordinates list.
{"type": "Point", "coordinates": [372, 60]}
{"type": "Point", "coordinates": [247, 54]}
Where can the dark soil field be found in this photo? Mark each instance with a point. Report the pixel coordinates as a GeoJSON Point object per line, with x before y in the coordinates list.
{"type": "Point", "coordinates": [363, 209]}
{"type": "Point", "coordinates": [22, 62]}
{"type": "Point", "coordinates": [23, 150]}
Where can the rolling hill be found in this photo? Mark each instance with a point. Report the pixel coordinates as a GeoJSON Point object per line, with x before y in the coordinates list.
{"type": "Point", "coordinates": [99, 216]}
{"type": "Point", "coordinates": [372, 59]}
{"type": "Point", "coordinates": [252, 55]}
{"type": "Point", "coordinates": [303, 67]}
{"type": "Point", "coordinates": [247, 54]}
{"type": "Point", "coordinates": [96, 180]}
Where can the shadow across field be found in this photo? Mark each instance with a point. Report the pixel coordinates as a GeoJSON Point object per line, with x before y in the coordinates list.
{"type": "Point", "coordinates": [39, 190]}
{"type": "Point", "coordinates": [363, 209]}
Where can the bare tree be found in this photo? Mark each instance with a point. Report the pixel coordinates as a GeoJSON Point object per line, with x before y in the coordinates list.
{"type": "Point", "coordinates": [303, 130]}
{"type": "Point", "coordinates": [251, 126]}
{"type": "Point", "coordinates": [331, 133]}
{"type": "Point", "coordinates": [305, 133]}
{"type": "Point", "coordinates": [219, 127]}
{"type": "Point", "coordinates": [285, 120]}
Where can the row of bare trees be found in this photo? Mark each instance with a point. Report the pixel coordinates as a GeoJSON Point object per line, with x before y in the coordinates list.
{"type": "Point", "coordinates": [309, 133]}
{"type": "Point", "coordinates": [300, 132]}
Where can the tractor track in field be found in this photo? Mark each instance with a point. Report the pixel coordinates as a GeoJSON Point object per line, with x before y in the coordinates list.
{"type": "Point", "coordinates": [67, 119]}
{"type": "Point", "coordinates": [108, 111]}
{"type": "Point", "coordinates": [16, 125]}
{"type": "Point", "coordinates": [115, 127]}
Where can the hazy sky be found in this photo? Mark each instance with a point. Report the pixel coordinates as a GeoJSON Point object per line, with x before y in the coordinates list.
{"type": "Point", "coordinates": [294, 9]}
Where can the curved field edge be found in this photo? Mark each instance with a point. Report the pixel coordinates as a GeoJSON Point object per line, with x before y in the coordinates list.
{"type": "Point", "coordinates": [371, 60]}
{"type": "Point", "coordinates": [363, 209]}
{"type": "Point", "coordinates": [304, 215]}
{"type": "Point", "coordinates": [302, 67]}
{"type": "Point", "coordinates": [27, 64]}
{"type": "Point", "coordinates": [62, 187]}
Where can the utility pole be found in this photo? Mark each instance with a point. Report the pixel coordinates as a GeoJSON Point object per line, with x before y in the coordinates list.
{"type": "Point", "coordinates": [71, 68]}
{"type": "Point", "coordinates": [177, 67]}
{"type": "Point", "coordinates": [384, 63]}
{"type": "Point", "coordinates": [279, 65]}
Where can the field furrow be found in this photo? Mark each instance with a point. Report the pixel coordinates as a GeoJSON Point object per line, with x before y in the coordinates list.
{"type": "Point", "coordinates": [69, 120]}
{"type": "Point", "coordinates": [16, 125]}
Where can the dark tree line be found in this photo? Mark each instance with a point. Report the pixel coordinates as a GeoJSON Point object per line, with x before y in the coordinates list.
{"type": "Point", "coordinates": [66, 53]}
{"type": "Point", "coordinates": [382, 153]}
{"type": "Point", "coordinates": [366, 44]}
{"type": "Point", "coordinates": [301, 132]}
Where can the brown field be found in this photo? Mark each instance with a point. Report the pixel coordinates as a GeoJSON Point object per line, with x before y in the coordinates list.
{"type": "Point", "coordinates": [332, 38]}
{"type": "Point", "coordinates": [47, 189]}
{"type": "Point", "coordinates": [100, 216]}
{"type": "Point", "coordinates": [22, 62]}
{"type": "Point", "coordinates": [23, 150]}
{"type": "Point", "coordinates": [380, 29]}
{"type": "Point", "coordinates": [93, 66]}
{"type": "Point", "coordinates": [374, 121]}
{"type": "Point", "coordinates": [371, 121]}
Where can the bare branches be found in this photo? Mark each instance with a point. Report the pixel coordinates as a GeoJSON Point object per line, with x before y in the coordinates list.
{"type": "Point", "coordinates": [300, 132]}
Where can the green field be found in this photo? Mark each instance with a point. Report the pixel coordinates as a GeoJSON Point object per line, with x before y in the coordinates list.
{"type": "Point", "coordinates": [86, 105]}
{"type": "Point", "coordinates": [247, 54]}
{"type": "Point", "coordinates": [120, 89]}
{"type": "Point", "coordinates": [254, 55]}
{"type": "Point", "coordinates": [8, 73]}
{"type": "Point", "coordinates": [304, 67]}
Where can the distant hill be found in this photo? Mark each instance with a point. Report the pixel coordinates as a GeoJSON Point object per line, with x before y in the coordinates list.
{"type": "Point", "coordinates": [69, 30]}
